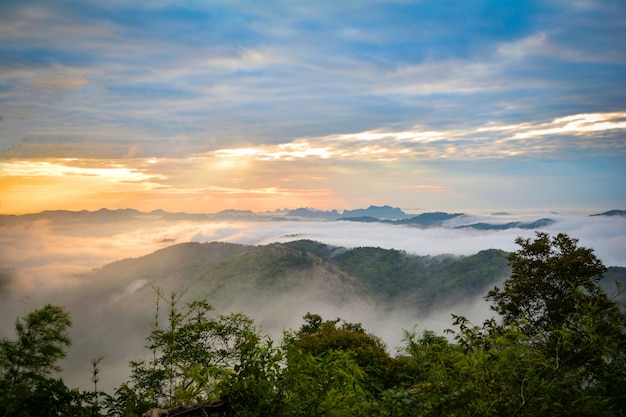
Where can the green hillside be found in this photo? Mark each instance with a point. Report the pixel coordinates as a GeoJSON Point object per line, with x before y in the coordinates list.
{"type": "Point", "coordinates": [411, 280]}
{"type": "Point", "coordinates": [225, 273]}
{"type": "Point", "coordinates": [557, 347]}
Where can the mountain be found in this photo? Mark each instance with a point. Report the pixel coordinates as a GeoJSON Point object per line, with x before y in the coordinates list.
{"type": "Point", "coordinates": [308, 213]}
{"type": "Point", "coordinates": [236, 277]}
{"type": "Point", "coordinates": [113, 307]}
{"type": "Point", "coordinates": [611, 213]}
{"type": "Point", "coordinates": [383, 214]}
{"type": "Point", "coordinates": [429, 219]}
{"type": "Point", "coordinates": [362, 219]}
{"type": "Point", "coordinates": [379, 212]}
{"type": "Point", "coordinates": [537, 224]}
{"type": "Point", "coordinates": [99, 216]}
{"type": "Point", "coordinates": [417, 282]}
{"type": "Point", "coordinates": [228, 274]}
{"type": "Point", "coordinates": [278, 283]}
{"type": "Point", "coordinates": [423, 220]}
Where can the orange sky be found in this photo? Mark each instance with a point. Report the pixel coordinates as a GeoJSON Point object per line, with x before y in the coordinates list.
{"type": "Point", "coordinates": [417, 105]}
{"type": "Point", "coordinates": [410, 169]}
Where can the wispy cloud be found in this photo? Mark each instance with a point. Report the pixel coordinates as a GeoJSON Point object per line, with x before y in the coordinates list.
{"type": "Point", "coordinates": [325, 172]}
{"type": "Point", "coordinates": [576, 131]}
{"type": "Point", "coordinates": [241, 93]}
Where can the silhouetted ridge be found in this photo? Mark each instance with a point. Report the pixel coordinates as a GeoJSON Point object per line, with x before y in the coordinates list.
{"type": "Point", "coordinates": [430, 219]}
{"type": "Point", "coordinates": [537, 224]}
{"type": "Point", "coordinates": [611, 213]}
{"type": "Point", "coordinates": [378, 212]}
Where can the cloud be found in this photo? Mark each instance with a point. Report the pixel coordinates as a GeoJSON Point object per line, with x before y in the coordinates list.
{"type": "Point", "coordinates": [579, 124]}
{"type": "Point", "coordinates": [59, 81]}
{"type": "Point", "coordinates": [39, 263]}
{"type": "Point", "coordinates": [492, 141]}
{"type": "Point", "coordinates": [261, 98]}
{"type": "Point", "coordinates": [591, 131]}
{"type": "Point", "coordinates": [30, 248]}
{"type": "Point", "coordinates": [251, 74]}
{"type": "Point", "coordinates": [379, 166]}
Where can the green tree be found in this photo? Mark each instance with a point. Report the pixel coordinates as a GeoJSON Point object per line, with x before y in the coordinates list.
{"type": "Point", "coordinates": [554, 298]}
{"type": "Point", "coordinates": [126, 402]}
{"type": "Point", "coordinates": [559, 350]}
{"type": "Point", "coordinates": [553, 281]}
{"type": "Point", "coordinates": [191, 355]}
{"type": "Point", "coordinates": [328, 384]}
{"type": "Point", "coordinates": [27, 365]}
{"type": "Point", "coordinates": [368, 351]}
{"type": "Point", "coordinates": [256, 386]}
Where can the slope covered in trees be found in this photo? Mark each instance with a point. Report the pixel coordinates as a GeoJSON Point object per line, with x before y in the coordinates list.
{"type": "Point", "coordinates": [223, 273]}
{"type": "Point", "coordinates": [557, 346]}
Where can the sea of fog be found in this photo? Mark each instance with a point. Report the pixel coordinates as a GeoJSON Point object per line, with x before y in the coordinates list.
{"type": "Point", "coordinates": [39, 261]}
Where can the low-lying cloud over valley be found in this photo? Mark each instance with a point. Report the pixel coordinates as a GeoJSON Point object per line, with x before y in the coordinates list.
{"type": "Point", "coordinates": [49, 261]}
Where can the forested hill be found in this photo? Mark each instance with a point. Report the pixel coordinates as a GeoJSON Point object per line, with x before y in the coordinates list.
{"type": "Point", "coordinates": [224, 273]}
{"type": "Point", "coordinates": [557, 349]}
{"type": "Point", "coordinates": [411, 280]}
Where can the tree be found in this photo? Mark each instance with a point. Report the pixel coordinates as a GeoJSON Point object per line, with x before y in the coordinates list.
{"type": "Point", "coordinates": [329, 384]}
{"type": "Point", "coordinates": [318, 337]}
{"type": "Point", "coordinates": [256, 385]}
{"type": "Point", "coordinates": [191, 355]}
{"type": "Point", "coordinates": [553, 297]}
{"type": "Point", "coordinates": [28, 363]}
{"type": "Point", "coordinates": [553, 282]}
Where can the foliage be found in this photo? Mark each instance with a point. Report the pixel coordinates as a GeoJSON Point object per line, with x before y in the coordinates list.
{"type": "Point", "coordinates": [254, 385]}
{"type": "Point", "coordinates": [419, 281]}
{"type": "Point", "coordinates": [126, 402]}
{"type": "Point", "coordinates": [554, 298]}
{"type": "Point", "coordinates": [552, 278]}
{"type": "Point", "coordinates": [557, 348]}
{"type": "Point", "coordinates": [330, 384]}
{"type": "Point", "coordinates": [27, 365]}
{"type": "Point", "coordinates": [317, 338]}
{"type": "Point", "coordinates": [191, 355]}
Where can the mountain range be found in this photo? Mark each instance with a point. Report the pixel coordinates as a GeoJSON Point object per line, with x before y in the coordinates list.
{"type": "Point", "coordinates": [223, 272]}
{"type": "Point", "coordinates": [388, 290]}
{"type": "Point", "coordinates": [372, 214]}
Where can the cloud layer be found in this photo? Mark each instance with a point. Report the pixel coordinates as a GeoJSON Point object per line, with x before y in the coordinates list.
{"type": "Point", "coordinates": [212, 105]}
{"type": "Point", "coordinates": [40, 262]}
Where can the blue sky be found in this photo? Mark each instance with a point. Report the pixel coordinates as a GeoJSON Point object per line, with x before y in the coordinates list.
{"type": "Point", "coordinates": [204, 105]}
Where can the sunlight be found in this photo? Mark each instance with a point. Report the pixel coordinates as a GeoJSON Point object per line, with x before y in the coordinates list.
{"type": "Point", "coordinates": [414, 135]}
{"type": "Point", "coordinates": [578, 124]}
{"type": "Point", "coordinates": [113, 173]}
{"type": "Point", "coordinates": [287, 151]}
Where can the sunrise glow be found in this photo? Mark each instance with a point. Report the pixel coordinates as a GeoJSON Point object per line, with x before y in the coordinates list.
{"type": "Point", "coordinates": [320, 106]}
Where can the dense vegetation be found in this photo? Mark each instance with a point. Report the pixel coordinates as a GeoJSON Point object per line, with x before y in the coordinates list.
{"type": "Point", "coordinates": [224, 274]}
{"type": "Point", "coordinates": [410, 280]}
{"type": "Point", "coordinates": [556, 347]}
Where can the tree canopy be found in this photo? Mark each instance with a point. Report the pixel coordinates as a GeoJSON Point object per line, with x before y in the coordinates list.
{"type": "Point", "coordinates": [556, 347]}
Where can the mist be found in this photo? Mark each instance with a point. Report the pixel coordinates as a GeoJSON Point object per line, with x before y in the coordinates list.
{"type": "Point", "coordinates": [44, 262]}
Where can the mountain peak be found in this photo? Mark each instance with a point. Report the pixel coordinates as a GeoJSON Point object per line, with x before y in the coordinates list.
{"type": "Point", "coordinates": [379, 212]}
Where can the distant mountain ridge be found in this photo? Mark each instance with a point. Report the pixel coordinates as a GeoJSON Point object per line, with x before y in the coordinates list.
{"type": "Point", "coordinates": [373, 214]}
{"type": "Point", "coordinates": [378, 212]}
{"type": "Point", "coordinates": [611, 213]}
{"type": "Point", "coordinates": [537, 224]}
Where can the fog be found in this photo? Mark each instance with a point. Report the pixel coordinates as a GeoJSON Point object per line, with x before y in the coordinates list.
{"type": "Point", "coordinates": [40, 260]}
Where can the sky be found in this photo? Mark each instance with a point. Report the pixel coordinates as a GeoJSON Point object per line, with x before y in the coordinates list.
{"type": "Point", "coordinates": [201, 106]}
